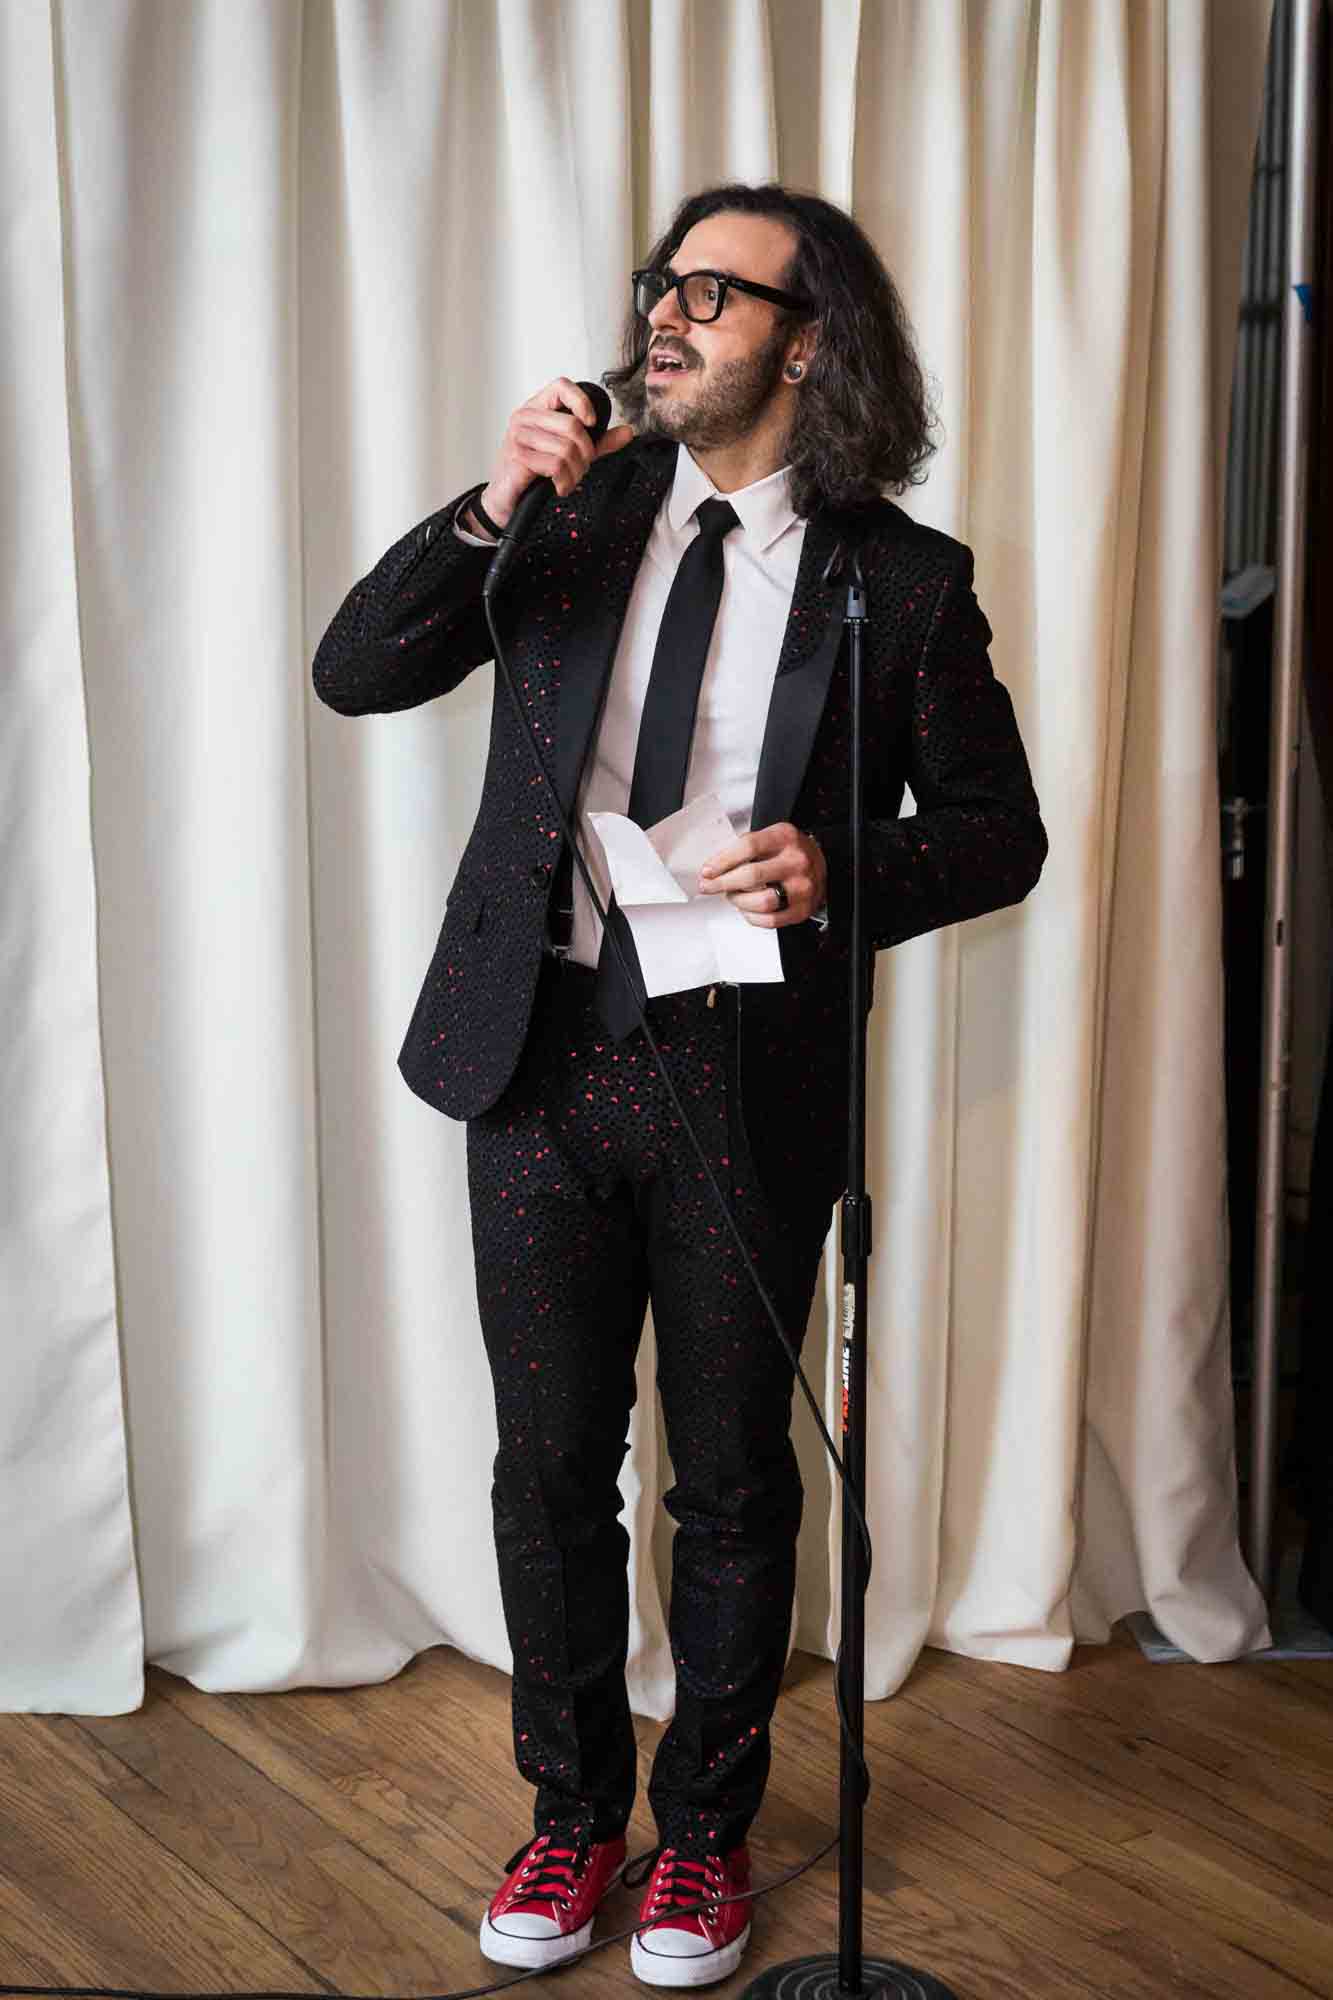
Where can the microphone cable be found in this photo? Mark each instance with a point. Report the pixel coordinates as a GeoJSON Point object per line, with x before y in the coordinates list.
{"type": "Point", "coordinates": [507, 548]}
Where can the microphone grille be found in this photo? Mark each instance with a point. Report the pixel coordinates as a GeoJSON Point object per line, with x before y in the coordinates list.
{"type": "Point", "coordinates": [601, 403]}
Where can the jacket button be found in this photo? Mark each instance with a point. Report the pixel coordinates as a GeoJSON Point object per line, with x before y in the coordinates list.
{"type": "Point", "coordinates": [541, 874]}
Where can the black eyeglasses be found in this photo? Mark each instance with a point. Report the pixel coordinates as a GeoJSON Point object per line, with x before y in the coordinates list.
{"type": "Point", "coordinates": [701, 295]}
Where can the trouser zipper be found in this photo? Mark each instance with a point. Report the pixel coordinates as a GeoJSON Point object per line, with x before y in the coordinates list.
{"type": "Point", "coordinates": [711, 1001]}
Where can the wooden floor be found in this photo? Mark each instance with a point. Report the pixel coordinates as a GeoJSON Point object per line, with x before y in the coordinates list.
{"type": "Point", "coordinates": [1120, 1829]}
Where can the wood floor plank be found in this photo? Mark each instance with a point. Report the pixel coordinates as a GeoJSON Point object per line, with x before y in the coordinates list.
{"type": "Point", "coordinates": [1239, 1909]}
{"type": "Point", "coordinates": [1133, 1764]}
{"type": "Point", "coordinates": [407, 1788]}
{"type": "Point", "coordinates": [131, 1901]}
{"type": "Point", "coordinates": [1060, 1753]}
{"type": "Point", "coordinates": [331, 1903]}
{"type": "Point", "coordinates": [1025, 1791]}
{"type": "Point", "coordinates": [424, 1810]}
{"type": "Point", "coordinates": [41, 1945]}
{"type": "Point", "coordinates": [1183, 1730]}
{"type": "Point", "coordinates": [1248, 1710]}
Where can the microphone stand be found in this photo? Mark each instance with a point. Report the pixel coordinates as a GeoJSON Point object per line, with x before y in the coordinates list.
{"type": "Point", "coordinates": [847, 1975]}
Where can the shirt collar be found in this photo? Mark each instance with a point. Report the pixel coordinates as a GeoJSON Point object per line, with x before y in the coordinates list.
{"type": "Point", "coordinates": [764, 508]}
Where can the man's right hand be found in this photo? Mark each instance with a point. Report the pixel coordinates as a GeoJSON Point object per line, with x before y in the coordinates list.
{"type": "Point", "coordinates": [547, 437]}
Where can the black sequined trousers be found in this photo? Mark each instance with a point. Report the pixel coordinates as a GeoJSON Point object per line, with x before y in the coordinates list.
{"type": "Point", "coordinates": [588, 1201]}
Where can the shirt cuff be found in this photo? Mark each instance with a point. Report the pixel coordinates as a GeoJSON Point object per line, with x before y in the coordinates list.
{"type": "Point", "coordinates": [473, 541]}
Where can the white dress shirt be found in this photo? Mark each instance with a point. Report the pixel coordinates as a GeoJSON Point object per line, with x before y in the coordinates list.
{"type": "Point", "coordinates": [759, 564]}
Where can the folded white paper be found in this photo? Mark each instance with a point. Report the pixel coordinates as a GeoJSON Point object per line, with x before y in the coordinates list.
{"type": "Point", "coordinates": [683, 939]}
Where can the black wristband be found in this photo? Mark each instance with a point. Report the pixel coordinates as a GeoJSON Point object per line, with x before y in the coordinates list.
{"type": "Point", "coordinates": [475, 507]}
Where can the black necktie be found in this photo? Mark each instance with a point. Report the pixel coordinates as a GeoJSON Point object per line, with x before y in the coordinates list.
{"type": "Point", "coordinates": [666, 730]}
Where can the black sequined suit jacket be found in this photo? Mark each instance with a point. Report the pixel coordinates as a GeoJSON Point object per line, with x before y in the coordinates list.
{"type": "Point", "coordinates": [935, 718]}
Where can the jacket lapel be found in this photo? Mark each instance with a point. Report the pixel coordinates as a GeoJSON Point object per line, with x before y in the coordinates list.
{"type": "Point", "coordinates": [632, 504]}
{"type": "Point", "coordinates": [805, 667]}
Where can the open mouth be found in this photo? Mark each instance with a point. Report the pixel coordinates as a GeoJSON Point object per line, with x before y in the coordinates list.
{"type": "Point", "coordinates": [662, 365]}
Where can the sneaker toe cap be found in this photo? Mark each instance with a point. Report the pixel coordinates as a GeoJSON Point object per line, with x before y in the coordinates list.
{"type": "Point", "coordinates": [674, 1941]}
{"type": "Point", "coordinates": [525, 1923]}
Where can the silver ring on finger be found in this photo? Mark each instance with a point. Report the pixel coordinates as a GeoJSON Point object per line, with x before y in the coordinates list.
{"type": "Point", "coordinates": [781, 894]}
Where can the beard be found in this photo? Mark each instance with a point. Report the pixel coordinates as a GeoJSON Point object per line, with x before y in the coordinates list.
{"type": "Point", "coordinates": [722, 411]}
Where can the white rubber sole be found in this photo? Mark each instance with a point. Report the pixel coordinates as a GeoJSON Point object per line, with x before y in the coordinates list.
{"type": "Point", "coordinates": [660, 1968]}
{"type": "Point", "coordinates": [507, 1949]}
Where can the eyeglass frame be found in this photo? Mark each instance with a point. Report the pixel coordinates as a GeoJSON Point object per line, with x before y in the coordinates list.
{"type": "Point", "coordinates": [725, 283]}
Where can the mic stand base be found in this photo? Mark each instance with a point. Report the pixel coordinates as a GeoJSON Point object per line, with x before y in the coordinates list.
{"type": "Point", "coordinates": [817, 1979]}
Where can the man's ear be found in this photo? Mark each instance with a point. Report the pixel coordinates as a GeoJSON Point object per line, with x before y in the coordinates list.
{"type": "Point", "coordinates": [805, 344]}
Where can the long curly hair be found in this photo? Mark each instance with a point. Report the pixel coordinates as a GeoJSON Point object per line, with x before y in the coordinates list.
{"type": "Point", "coordinates": [864, 421]}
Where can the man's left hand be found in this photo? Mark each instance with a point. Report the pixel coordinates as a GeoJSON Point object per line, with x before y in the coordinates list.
{"type": "Point", "coordinates": [746, 870]}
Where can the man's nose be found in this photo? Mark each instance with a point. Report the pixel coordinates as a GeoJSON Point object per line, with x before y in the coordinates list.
{"type": "Point", "coordinates": [666, 316]}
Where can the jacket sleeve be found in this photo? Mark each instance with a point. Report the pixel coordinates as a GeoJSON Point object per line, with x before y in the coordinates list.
{"type": "Point", "coordinates": [976, 841]}
{"type": "Point", "coordinates": [412, 628]}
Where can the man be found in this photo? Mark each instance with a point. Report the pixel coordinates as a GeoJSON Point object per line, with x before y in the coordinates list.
{"type": "Point", "coordinates": [686, 568]}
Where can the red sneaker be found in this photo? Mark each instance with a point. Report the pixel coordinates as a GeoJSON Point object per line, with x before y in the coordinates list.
{"type": "Point", "coordinates": [543, 1910]}
{"type": "Point", "coordinates": [693, 1950]}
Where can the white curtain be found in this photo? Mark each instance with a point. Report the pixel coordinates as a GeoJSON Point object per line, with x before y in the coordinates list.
{"type": "Point", "coordinates": [275, 273]}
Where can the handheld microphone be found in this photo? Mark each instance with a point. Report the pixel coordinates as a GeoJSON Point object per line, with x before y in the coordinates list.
{"type": "Point", "coordinates": [539, 493]}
